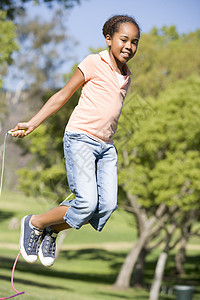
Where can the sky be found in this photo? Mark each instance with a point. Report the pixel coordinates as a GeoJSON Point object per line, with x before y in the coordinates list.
{"type": "Point", "coordinates": [85, 21]}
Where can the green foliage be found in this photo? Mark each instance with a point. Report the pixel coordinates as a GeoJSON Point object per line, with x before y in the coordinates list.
{"type": "Point", "coordinates": [38, 61]}
{"type": "Point", "coordinates": [153, 134]}
{"type": "Point", "coordinates": [161, 161]}
{"type": "Point", "coordinates": [46, 174]}
{"type": "Point", "coordinates": [164, 57]}
{"type": "Point", "coordinates": [7, 41]}
{"type": "Point", "coordinates": [165, 34]}
{"type": "Point", "coordinates": [175, 180]}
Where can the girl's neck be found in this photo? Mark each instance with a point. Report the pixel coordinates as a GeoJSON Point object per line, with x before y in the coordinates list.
{"type": "Point", "coordinates": [117, 65]}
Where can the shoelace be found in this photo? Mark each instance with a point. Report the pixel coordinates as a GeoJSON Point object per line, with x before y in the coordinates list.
{"type": "Point", "coordinates": [33, 243]}
{"type": "Point", "coordinates": [50, 245]}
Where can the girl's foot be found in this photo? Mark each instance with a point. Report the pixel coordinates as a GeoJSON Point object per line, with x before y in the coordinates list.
{"type": "Point", "coordinates": [29, 240]}
{"type": "Point", "coordinates": [48, 247]}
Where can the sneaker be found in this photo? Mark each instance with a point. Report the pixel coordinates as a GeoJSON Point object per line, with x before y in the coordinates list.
{"type": "Point", "coordinates": [29, 240]}
{"type": "Point", "coordinates": [48, 247]}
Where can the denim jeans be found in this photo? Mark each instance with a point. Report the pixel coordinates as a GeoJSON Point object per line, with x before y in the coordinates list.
{"type": "Point", "coordinates": [92, 176]}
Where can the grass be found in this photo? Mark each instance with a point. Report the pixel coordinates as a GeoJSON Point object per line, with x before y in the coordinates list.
{"type": "Point", "coordinates": [81, 272]}
{"type": "Point", "coordinates": [76, 275]}
{"type": "Point", "coordinates": [21, 205]}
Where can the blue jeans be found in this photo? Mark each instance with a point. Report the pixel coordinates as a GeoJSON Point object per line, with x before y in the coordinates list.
{"type": "Point", "coordinates": [92, 176]}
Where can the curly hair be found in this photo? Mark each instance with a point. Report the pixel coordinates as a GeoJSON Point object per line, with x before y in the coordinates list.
{"type": "Point", "coordinates": [112, 24]}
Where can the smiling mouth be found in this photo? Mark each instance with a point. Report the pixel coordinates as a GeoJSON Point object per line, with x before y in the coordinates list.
{"type": "Point", "coordinates": [126, 54]}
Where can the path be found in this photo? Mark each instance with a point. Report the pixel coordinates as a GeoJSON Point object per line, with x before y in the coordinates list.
{"type": "Point", "coordinates": [105, 246]}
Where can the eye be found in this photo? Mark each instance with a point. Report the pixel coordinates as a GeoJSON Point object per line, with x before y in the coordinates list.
{"type": "Point", "coordinates": [135, 42]}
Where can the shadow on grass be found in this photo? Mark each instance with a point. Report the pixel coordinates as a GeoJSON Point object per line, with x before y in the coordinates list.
{"type": "Point", "coordinates": [37, 284]}
{"type": "Point", "coordinates": [5, 215]}
{"type": "Point", "coordinates": [114, 261]}
{"type": "Point", "coordinates": [7, 263]}
{"type": "Point", "coordinates": [112, 258]}
{"type": "Point", "coordinates": [89, 254]}
{"type": "Point", "coordinates": [121, 296]}
{"type": "Point", "coordinates": [95, 254]}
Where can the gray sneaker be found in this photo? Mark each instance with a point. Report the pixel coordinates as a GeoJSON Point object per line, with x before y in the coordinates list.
{"type": "Point", "coordinates": [29, 240]}
{"type": "Point", "coordinates": [48, 247]}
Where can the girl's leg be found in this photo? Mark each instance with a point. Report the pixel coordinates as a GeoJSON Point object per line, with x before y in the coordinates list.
{"type": "Point", "coordinates": [107, 187]}
{"type": "Point", "coordinates": [53, 218]}
{"type": "Point", "coordinates": [59, 227]}
{"type": "Point", "coordinates": [80, 157]}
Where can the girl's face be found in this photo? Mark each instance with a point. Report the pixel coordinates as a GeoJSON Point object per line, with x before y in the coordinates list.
{"type": "Point", "coordinates": [123, 44]}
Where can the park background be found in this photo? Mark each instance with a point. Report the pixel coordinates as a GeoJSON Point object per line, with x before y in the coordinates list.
{"type": "Point", "coordinates": [151, 242]}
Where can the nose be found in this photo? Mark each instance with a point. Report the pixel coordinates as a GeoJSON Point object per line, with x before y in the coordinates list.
{"type": "Point", "coordinates": [128, 45]}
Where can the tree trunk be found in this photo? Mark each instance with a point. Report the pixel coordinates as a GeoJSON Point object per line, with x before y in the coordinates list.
{"type": "Point", "coordinates": [138, 279]}
{"type": "Point", "coordinates": [124, 276]}
{"type": "Point", "coordinates": [145, 224]}
{"type": "Point", "coordinates": [180, 256]}
{"type": "Point", "coordinates": [160, 267]}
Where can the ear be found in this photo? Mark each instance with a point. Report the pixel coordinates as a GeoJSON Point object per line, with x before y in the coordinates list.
{"type": "Point", "coordinates": [108, 40]}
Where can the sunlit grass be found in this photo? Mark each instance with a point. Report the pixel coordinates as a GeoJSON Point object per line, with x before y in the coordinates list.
{"type": "Point", "coordinates": [87, 269]}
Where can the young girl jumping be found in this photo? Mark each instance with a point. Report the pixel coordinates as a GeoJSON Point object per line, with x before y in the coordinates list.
{"type": "Point", "coordinates": [90, 156]}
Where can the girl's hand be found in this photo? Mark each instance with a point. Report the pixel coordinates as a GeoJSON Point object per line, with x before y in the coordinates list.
{"type": "Point", "coordinates": [22, 129]}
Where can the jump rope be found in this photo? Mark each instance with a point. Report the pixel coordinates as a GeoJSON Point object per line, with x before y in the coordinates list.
{"type": "Point", "coordinates": [1, 186]}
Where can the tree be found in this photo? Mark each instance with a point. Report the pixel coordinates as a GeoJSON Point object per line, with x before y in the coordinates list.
{"type": "Point", "coordinates": [46, 175]}
{"type": "Point", "coordinates": [44, 46]}
{"type": "Point", "coordinates": [141, 106]}
{"type": "Point", "coordinates": [163, 57]}
{"type": "Point", "coordinates": [8, 43]}
{"type": "Point", "coordinates": [160, 164]}
{"type": "Point", "coordinates": [158, 63]}
{"type": "Point", "coordinates": [155, 137]}
{"type": "Point", "coordinates": [46, 156]}
{"type": "Point", "coordinates": [14, 8]}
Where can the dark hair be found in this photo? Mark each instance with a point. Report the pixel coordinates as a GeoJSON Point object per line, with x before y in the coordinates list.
{"type": "Point", "coordinates": [112, 25]}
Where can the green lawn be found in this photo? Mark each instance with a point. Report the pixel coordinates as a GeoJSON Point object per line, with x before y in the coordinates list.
{"type": "Point", "coordinates": [86, 268]}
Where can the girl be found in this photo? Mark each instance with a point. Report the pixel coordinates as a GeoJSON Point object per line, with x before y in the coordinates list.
{"type": "Point", "coordinates": [90, 156]}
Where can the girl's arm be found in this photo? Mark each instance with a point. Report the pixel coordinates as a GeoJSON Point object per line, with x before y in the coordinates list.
{"type": "Point", "coordinates": [51, 106]}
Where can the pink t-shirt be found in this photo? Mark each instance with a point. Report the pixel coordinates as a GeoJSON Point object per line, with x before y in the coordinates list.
{"type": "Point", "coordinates": [101, 99]}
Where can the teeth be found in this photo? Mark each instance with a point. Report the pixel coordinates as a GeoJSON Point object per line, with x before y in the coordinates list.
{"type": "Point", "coordinates": [125, 54]}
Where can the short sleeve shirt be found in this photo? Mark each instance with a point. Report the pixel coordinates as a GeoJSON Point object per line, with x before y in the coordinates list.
{"type": "Point", "coordinates": [101, 100]}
